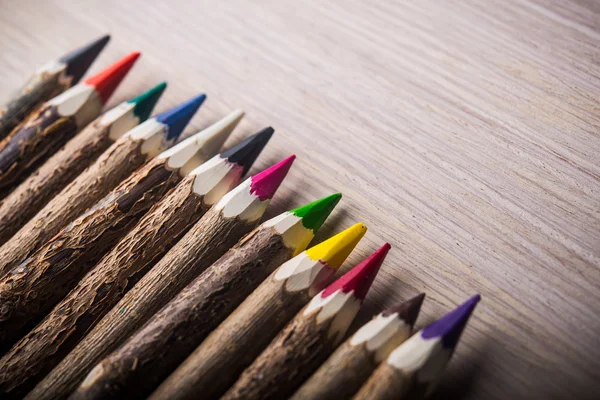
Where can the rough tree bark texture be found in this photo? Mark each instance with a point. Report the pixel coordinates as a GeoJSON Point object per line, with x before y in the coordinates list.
{"type": "Point", "coordinates": [217, 363]}
{"type": "Point", "coordinates": [27, 148]}
{"type": "Point", "coordinates": [29, 291]}
{"type": "Point", "coordinates": [26, 102]}
{"type": "Point", "coordinates": [52, 177]}
{"type": "Point", "coordinates": [351, 367]}
{"type": "Point", "coordinates": [51, 340]}
{"type": "Point", "coordinates": [138, 366]}
{"type": "Point", "coordinates": [292, 356]}
{"type": "Point", "coordinates": [386, 383]}
{"type": "Point", "coordinates": [115, 164]}
{"type": "Point", "coordinates": [204, 243]}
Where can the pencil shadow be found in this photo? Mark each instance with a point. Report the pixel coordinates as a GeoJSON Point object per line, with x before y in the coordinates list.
{"type": "Point", "coordinates": [332, 226]}
{"type": "Point", "coordinates": [281, 204]}
{"type": "Point", "coordinates": [458, 382]}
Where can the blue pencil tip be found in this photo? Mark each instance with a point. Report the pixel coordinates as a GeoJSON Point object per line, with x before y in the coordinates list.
{"type": "Point", "coordinates": [451, 325]}
{"type": "Point", "coordinates": [178, 117]}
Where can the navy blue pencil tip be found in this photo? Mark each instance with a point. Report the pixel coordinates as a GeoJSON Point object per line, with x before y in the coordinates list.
{"type": "Point", "coordinates": [178, 117]}
{"type": "Point", "coordinates": [79, 60]}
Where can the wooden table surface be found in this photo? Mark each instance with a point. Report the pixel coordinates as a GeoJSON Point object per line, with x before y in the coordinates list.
{"type": "Point", "coordinates": [465, 133]}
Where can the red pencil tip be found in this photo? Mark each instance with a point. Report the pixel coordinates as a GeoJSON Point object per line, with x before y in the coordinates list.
{"type": "Point", "coordinates": [107, 80]}
{"type": "Point", "coordinates": [265, 183]}
{"type": "Point", "coordinates": [360, 277]}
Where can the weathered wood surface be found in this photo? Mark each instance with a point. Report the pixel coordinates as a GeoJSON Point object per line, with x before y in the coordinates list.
{"type": "Point", "coordinates": [487, 116]}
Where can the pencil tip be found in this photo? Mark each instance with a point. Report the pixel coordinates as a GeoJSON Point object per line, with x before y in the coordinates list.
{"type": "Point", "coordinates": [247, 151]}
{"type": "Point", "coordinates": [107, 80]}
{"type": "Point", "coordinates": [336, 249]}
{"type": "Point", "coordinates": [145, 102]}
{"type": "Point", "coordinates": [314, 214]}
{"type": "Point", "coordinates": [407, 311]}
{"type": "Point", "coordinates": [178, 117]}
{"type": "Point", "coordinates": [359, 278]}
{"type": "Point", "coordinates": [265, 183]}
{"type": "Point", "coordinates": [451, 325]}
{"type": "Point", "coordinates": [79, 60]}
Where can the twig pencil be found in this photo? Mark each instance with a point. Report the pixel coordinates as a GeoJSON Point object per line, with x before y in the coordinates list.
{"type": "Point", "coordinates": [42, 348]}
{"type": "Point", "coordinates": [415, 367]}
{"type": "Point", "coordinates": [215, 233]}
{"type": "Point", "coordinates": [47, 82]}
{"type": "Point", "coordinates": [342, 375]}
{"type": "Point", "coordinates": [230, 348]}
{"type": "Point", "coordinates": [60, 169]}
{"type": "Point", "coordinates": [55, 122]}
{"type": "Point", "coordinates": [188, 317]}
{"type": "Point", "coordinates": [121, 159]}
{"type": "Point", "coordinates": [309, 338]}
{"type": "Point", "coordinates": [55, 268]}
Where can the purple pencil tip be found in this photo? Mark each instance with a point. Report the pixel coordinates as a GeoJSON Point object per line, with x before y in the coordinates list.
{"type": "Point", "coordinates": [451, 325]}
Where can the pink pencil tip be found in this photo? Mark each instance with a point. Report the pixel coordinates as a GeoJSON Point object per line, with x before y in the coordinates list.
{"type": "Point", "coordinates": [265, 183]}
{"type": "Point", "coordinates": [360, 277]}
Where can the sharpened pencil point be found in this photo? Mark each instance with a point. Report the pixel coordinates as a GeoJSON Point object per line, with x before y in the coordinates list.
{"type": "Point", "coordinates": [314, 214]}
{"type": "Point", "coordinates": [79, 60]}
{"type": "Point", "coordinates": [360, 277]}
{"type": "Point", "coordinates": [107, 80]}
{"type": "Point", "coordinates": [408, 311]}
{"type": "Point", "coordinates": [178, 117]}
{"type": "Point", "coordinates": [247, 151]}
{"type": "Point", "coordinates": [145, 102]}
{"type": "Point", "coordinates": [265, 183]}
{"type": "Point", "coordinates": [451, 325]}
{"type": "Point", "coordinates": [336, 249]}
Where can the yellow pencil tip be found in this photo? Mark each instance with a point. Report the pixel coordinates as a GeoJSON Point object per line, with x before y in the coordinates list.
{"type": "Point", "coordinates": [336, 249]}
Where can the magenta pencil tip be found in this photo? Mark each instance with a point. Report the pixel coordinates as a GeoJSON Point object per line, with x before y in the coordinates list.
{"type": "Point", "coordinates": [265, 183]}
{"type": "Point", "coordinates": [359, 278]}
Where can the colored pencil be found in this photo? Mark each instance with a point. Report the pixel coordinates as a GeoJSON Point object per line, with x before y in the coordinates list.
{"type": "Point", "coordinates": [56, 267]}
{"type": "Point", "coordinates": [55, 122]}
{"type": "Point", "coordinates": [43, 347]}
{"type": "Point", "coordinates": [60, 169]}
{"type": "Point", "coordinates": [47, 82]}
{"type": "Point", "coordinates": [342, 375]}
{"type": "Point", "coordinates": [309, 338]}
{"type": "Point", "coordinates": [414, 368]}
{"type": "Point", "coordinates": [215, 233]}
{"type": "Point", "coordinates": [215, 365]}
{"type": "Point", "coordinates": [120, 160]}
{"type": "Point", "coordinates": [189, 316]}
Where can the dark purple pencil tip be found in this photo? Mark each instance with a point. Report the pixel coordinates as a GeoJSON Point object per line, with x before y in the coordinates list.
{"type": "Point", "coordinates": [451, 325]}
{"type": "Point", "coordinates": [408, 311]}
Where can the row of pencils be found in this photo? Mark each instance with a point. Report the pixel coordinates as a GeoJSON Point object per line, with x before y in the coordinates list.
{"type": "Point", "coordinates": [134, 264]}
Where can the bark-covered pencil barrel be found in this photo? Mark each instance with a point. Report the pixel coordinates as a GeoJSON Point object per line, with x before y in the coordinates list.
{"type": "Point", "coordinates": [48, 81]}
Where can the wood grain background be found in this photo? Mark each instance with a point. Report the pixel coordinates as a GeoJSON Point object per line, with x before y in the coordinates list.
{"type": "Point", "coordinates": [465, 133]}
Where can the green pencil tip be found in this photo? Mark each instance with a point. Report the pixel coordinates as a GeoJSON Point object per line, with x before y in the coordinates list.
{"type": "Point", "coordinates": [145, 102]}
{"type": "Point", "coordinates": [314, 214]}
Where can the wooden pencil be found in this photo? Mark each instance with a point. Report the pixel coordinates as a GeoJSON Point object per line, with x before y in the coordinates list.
{"type": "Point", "coordinates": [55, 122]}
{"type": "Point", "coordinates": [48, 81]}
{"type": "Point", "coordinates": [309, 338]}
{"type": "Point", "coordinates": [215, 233]}
{"type": "Point", "coordinates": [188, 317]}
{"type": "Point", "coordinates": [414, 368]}
{"type": "Point", "coordinates": [120, 160]}
{"type": "Point", "coordinates": [60, 169]}
{"type": "Point", "coordinates": [223, 355]}
{"type": "Point", "coordinates": [342, 375]}
{"type": "Point", "coordinates": [55, 268]}
{"type": "Point", "coordinates": [43, 347]}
